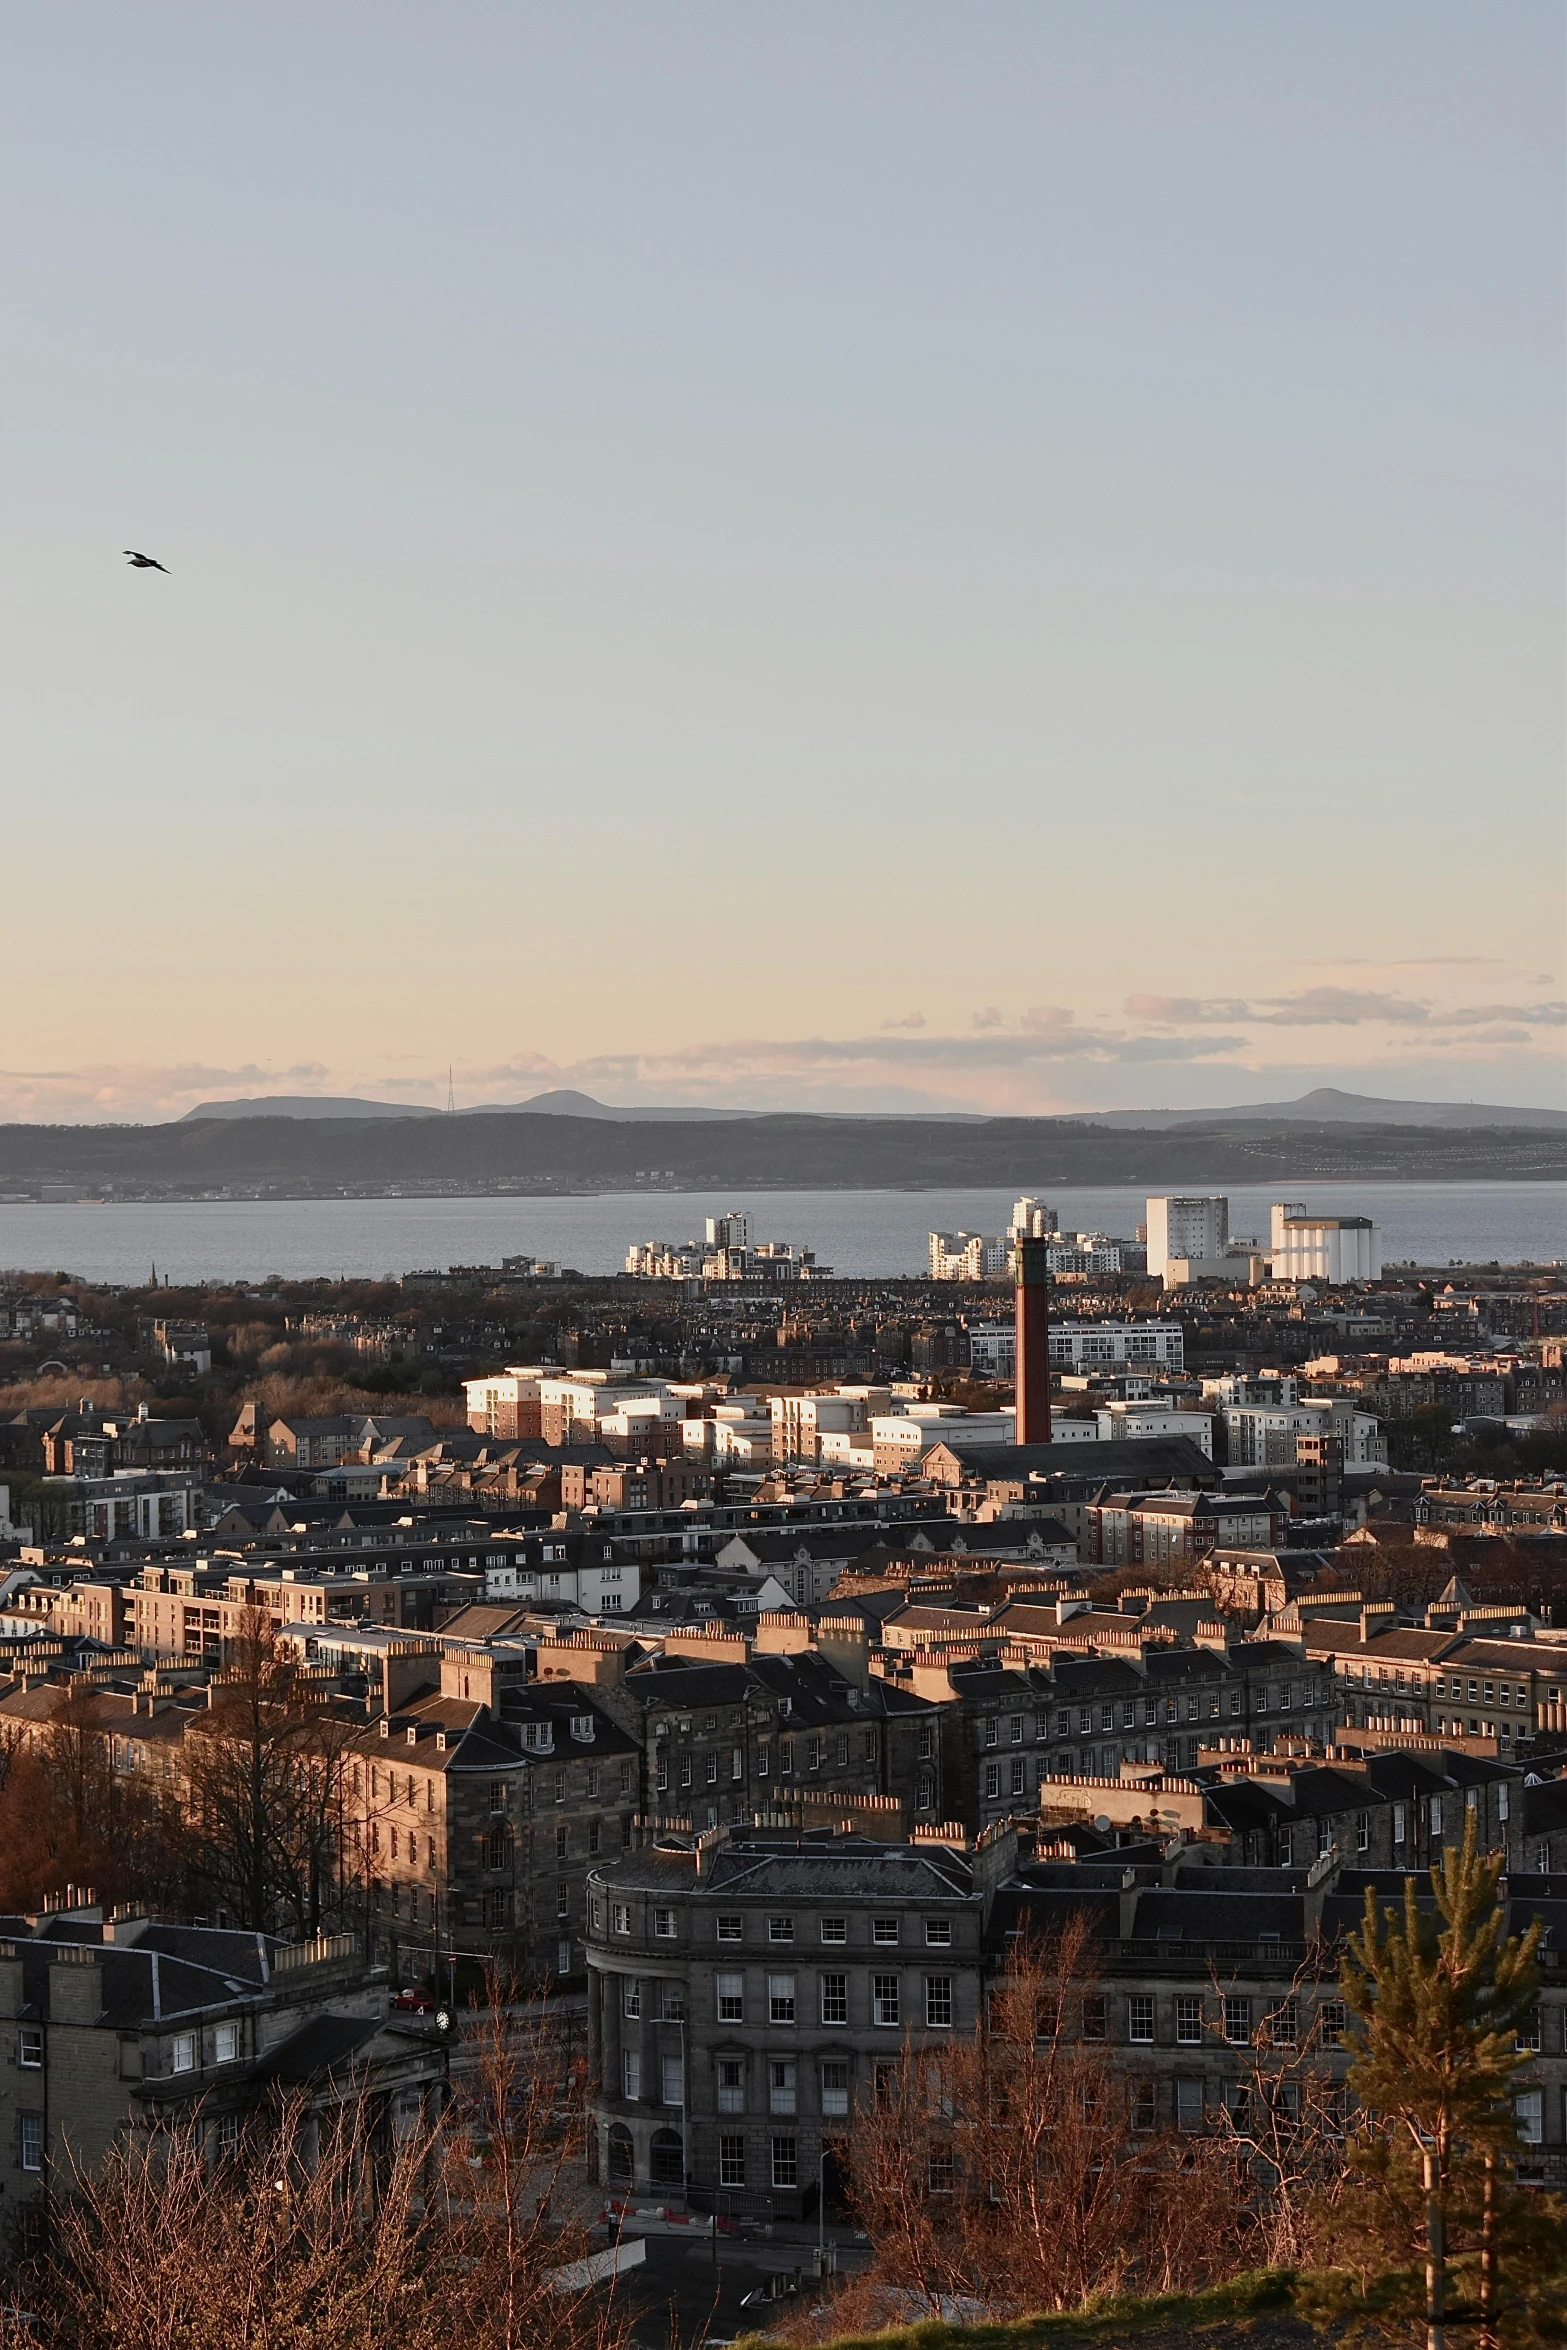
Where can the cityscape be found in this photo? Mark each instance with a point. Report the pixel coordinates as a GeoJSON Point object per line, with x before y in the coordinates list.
{"type": "Point", "coordinates": [744, 1656]}
{"type": "Point", "coordinates": [783, 1177]}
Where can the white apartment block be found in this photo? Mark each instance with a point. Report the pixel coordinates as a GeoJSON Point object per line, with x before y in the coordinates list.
{"type": "Point", "coordinates": [976, 1256]}
{"type": "Point", "coordinates": [900, 1439]}
{"type": "Point", "coordinates": [609, 1589]}
{"type": "Point", "coordinates": [1092, 1346]}
{"type": "Point", "coordinates": [1327, 1249]}
{"type": "Point", "coordinates": [847, 1449]}
{"type": "Point", "coordinates": [742, 1434]}
{"type": "Point", "coordinates": [494, 1404]}
{"type": "Point", "coordinates": [1084, 1252]}
{"type": "Point", "coordinates": [1262, 1436]}
{"type": "Point", "coordinates": [1188, 1236]}
{"type": "Point", "coordinates": [726, 1254]}
{"type": "Point", "coordinates": [1278, 1388]}
{"type": "Point", "coordinates": [1032, 1220]}
{"type": "Point", "coordinates": [1119, 1422]}
{"type": "Point", "coordinates": [666, 1260]}
{"type": "Point", "coordinates": [992, 1349]}
{"type": "Point", "coordinates": [801, 1422]}
{"type": "Point", "coordinates": [968, 1256]}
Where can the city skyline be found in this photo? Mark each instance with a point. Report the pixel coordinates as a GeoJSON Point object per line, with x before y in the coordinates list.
{"type": "Point", "coordinates": [789, 561]}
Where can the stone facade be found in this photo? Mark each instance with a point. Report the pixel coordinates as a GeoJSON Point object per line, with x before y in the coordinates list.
{"type": "Point", "coordinates": [127, 2023]}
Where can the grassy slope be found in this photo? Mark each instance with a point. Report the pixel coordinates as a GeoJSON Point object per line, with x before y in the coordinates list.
{"type": "Point", "coordinates": [1238, 2311]}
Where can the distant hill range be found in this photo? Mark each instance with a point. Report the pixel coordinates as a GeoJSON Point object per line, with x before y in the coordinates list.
{"type": "Point", "coordinates": [287, 1147]}
{"type": "Point", "coordinates": [562, 1103]}
{"type": "Point", "coordinates": [1325, 1106]}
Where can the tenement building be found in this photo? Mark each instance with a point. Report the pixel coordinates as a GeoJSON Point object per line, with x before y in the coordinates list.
{"type": "Point", "coordinates": [124, 2024]}
{"type": "Point", "coordinates": [744, 1995]}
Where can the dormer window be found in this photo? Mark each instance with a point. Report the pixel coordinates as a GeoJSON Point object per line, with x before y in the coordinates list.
{"type": "Point", "coordinates": [413, 1734]}
{"type": "Point", "coordinates": [583, 1728]}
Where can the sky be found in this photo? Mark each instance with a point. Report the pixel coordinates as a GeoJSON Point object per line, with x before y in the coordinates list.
{"type": "Point", "coordinates": [890, 556]}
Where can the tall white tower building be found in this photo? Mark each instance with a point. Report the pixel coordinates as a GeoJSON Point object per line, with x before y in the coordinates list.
{"type": "Point", "coordinates": [1191, 1229]}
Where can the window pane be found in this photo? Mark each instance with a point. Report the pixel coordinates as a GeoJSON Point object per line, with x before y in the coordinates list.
{"type": "Point", "coordinates": [731, 2084]}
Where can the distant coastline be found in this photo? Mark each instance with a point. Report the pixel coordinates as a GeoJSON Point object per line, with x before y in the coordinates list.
{"type": "Point", "coordinates": [533, 1155]}
{"type": "Point", "coordinates": [878, 1234]}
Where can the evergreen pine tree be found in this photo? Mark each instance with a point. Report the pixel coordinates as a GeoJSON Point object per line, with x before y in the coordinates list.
{"type": "Point", "coordinates": [1440, 1997]}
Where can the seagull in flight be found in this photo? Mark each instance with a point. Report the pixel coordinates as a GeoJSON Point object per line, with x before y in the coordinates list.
{"type": "Point", "coordinates": [143, 562]}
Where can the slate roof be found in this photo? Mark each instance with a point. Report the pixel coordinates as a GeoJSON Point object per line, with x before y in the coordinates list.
{"type": "Point", "coordinates": [1212, 1913]}
{"type": "Point", "coordinates": [814, 1689]}
{"type": "Point", "coordinates": [865, 1871]}
{"type": "Point", "coordinates": [1141, 1456]}
{"type": "Point", "coordinates": [677, 1681]}
{"type": "Point", "coordinates": [140, 1986]}
{"type": "Point", "coordinates": [1073, 1675]}
{"type": "Point", "coordinates": [326, 2044]}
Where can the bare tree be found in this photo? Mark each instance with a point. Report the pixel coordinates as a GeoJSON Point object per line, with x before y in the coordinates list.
{"type": "Point", "coordinates": [1277, 2142]}
{"type": "Point", "coordinates": [1022, 2169]}
{"type": "Point", "coordinates": [338, 2226]}
{"type": "Point", "coordinates": [513, 2145]}
{"type": "Point", "coordinates": [264, 1768]}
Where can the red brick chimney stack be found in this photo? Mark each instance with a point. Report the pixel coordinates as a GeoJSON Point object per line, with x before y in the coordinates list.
{"type": "Point", "coordinates": [1033, 1341]}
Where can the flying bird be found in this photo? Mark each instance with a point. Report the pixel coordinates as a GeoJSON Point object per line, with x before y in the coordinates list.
{"type": "Point", "coordinates": [144, 562]}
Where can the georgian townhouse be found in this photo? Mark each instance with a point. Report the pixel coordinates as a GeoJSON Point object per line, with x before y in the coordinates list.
{"type": "Point", "coordinates": [747, 1995]}
{"type": "Point", "coordinates": [475, 1812]}
{"type": "Point", "coordinates": [124, 2025]}
{"type": "Point", "coordinates": [1393, 1810]}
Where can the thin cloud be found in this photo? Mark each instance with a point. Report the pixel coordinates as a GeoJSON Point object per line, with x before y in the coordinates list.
{"type": "Point", "coordinates": [994, 1049]}
{"type": "Point", "coordinates": [1308, 1007]}
{"type": "Point", "coordinates": [1546, 1015]}
{"type": "Point", "coordinates": [909, 1020]}
{"type": "Point", "coordinates": [134, 1091]}
{"type": "Point", "coordinates": [1184, 1010]}
{"type": "Point", "coordinates": [1339, 1007]}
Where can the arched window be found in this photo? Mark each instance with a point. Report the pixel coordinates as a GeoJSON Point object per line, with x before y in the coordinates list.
{"type": "Point", "coordinates": [620, 2157]}
{"type": "Point", "coordinates": [666, 2159]}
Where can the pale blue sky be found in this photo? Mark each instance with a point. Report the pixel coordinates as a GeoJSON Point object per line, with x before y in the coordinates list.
{"type": "Point", "coordinates": [878, 553]}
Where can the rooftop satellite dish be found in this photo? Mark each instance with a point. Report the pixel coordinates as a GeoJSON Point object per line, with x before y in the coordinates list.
{"type": "Point", "coordinates": [1102, 1823]}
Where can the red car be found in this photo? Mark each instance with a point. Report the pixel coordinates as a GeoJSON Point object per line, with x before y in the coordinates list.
{"type": "Point", "coordinates": [415, 2001]}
